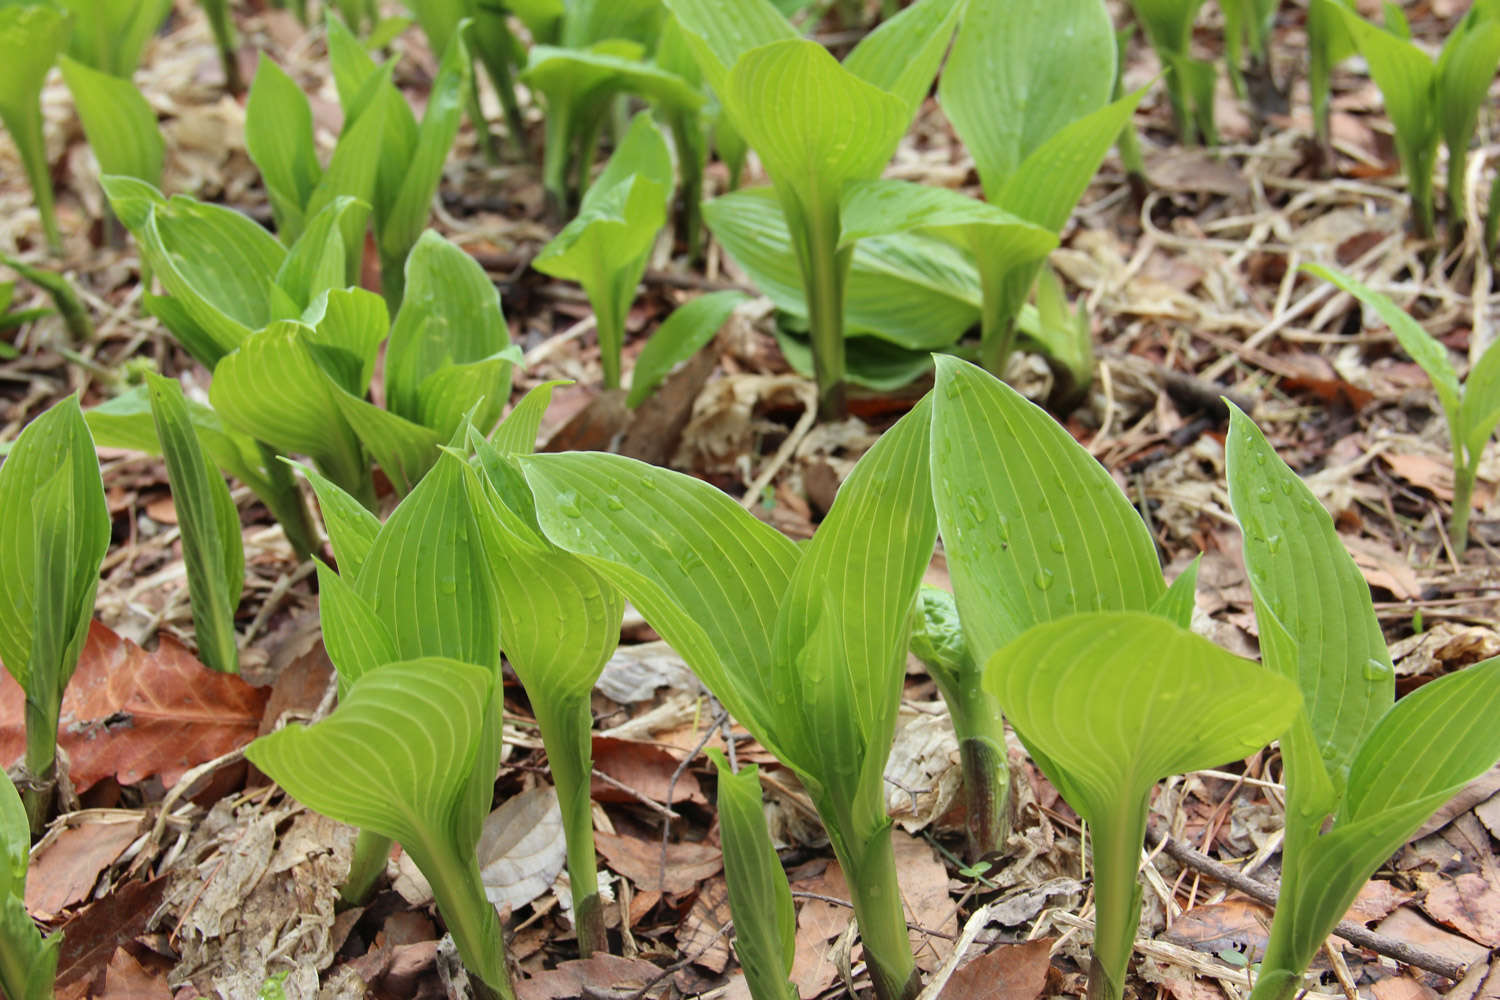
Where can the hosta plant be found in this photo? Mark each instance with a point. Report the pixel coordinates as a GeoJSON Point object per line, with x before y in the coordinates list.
{"type": "Point", "coordinates": [31, 38]}
{"type": "Point", "coordinates": [222, 25]}
{"type": "Point", "coordinates": [411, 752]}
{"type": "Point", "coordinates": [212, 547]}
{"type": "Point", "coordinates": [1361, 773]}
{"type": "Point", "coordinates": [28, 962]}
{"type": "Point", "coordinates": [109, 36]}
{"type": "Point", "coordinates": [1109, 703]}
{"type": "Point", "coordinates": [59, 289]}
{"type": "Point", "coordinates": [803, 645]}
{"type": "Point", "coordinates": [606, 246]}
{"type": "Point", "coordinates": [817, 124]}
{"type": "Point", "coordinates": [1190, 81]}
{"type": "Point", "coordinates": [120, 125]}
{"type": "Point", "coordinates": [1432, 101]}
{"type": "Point", "coordinates": [1034, 530]}
{"type": "Point", "coordinates": [1472, 408]}
{"type": "Point", "coordinates": [52, 541]}
{"type": "Point", "coordinates": [1328, 43]}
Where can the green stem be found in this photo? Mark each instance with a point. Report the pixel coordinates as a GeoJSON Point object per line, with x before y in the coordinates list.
{"type": "Point", "coordinates": [25, 127]}
{"type": "Point", "coordinates": [371, 850]}
{"type": "Point", "coordinates": [393, 278]}
{"type": "Point", "coordinates": [1289, 953]}
{"type": "Point", "coordinates": [566, 725]}
{"type": "Point", "coordinates": [688, 133]}
{"type": "Point", "coordinates": [1419, 180]}
{"type": "Point", "coordinates": [980, 729]}
{"type": "Point", "coordinates": [284, 501]}
{"type": "Point", "coordinates": [557, 141]}
{"type": "Point", "coordinates": [223, 29]}
{"type": "Point", "coordinates": [494, 43]}
{"type": "Point", "coordinates": [1003, 290]}
{"type": "Point", "coordinates": [824, 268]}
{"type": "Point", "coordinates": [1463, 497]}
{"type": "Point", "coordinates": [876, 894]}
{"type": "Point", "coordinates": [1117, 899]}
{"type": "Point", "coordinates": [611, 304]}
{"type": "Point", "coordinates": [485, 137]}
{"type": "Point", "coordinates": [1456, 164]}
{"type": "Point", "coordinates": [38, 776]}
{"type": "Point", "coordinates": [470, 916]}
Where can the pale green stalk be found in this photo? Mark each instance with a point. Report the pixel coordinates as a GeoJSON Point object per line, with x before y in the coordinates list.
{"type": "Point", "coordinates": [824, 268]}
{"type": "Point", "coordinates": [371, 850]}
{"type": "Point", "coordinates": [566, 729]}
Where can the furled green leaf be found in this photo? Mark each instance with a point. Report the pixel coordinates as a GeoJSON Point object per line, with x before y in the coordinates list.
{"type": "Point", "coordinates": [15, 843]}
{"type": "Point", "coordinates": [597, 74]}
{"type": "Point", "coordinates": [686, 331]}
{"type": "Point", "coordinates": [404, 450]}
{"type": "Point", "coordinates": [411, 753]}
{"type": "Point", "coordinates": [760, 899]}
{"type": "Point", "coordinates": [517, 433]}
{"type": "Point", "coordinates": [28, 964]}
{"type": "Point", "coordinates": [450, 315]}
{"type": "Point", "coordinates": [1318, 626]}
{"type": "Point", "coordinates": [1465, 70]}
{"type": "Point", "coordinates": [1479, 412]}
{"type": "Point", "coordinates": [1034, 527]}
{"type": "Point", "coordinates": [1019, 73]}
{"type": "Point", "coordinates": [351, 527]}
{"type": "Point", "coordinates": [721, 31]}
{"type": "Point", "coordinates": [109, 36]}
{"type": "Point", "coordinates": [319, 260]}
{"type": "Point", "coordinates": [1176, 602]}
{"type": "Point", "coordinates": [279, 138]}
{"type": "Point", "coordinates": [358, 640]}
{"type": "Point", "coordinates": [902, 55]}
{"type": "Point", "coordinates": [212, 546]}
{"type": "Point", "coordinates": [120, 125]}
{"type": "Point", "coordinates": [47, 595]}
{"type": "Point", "coordinates": [31, 38]}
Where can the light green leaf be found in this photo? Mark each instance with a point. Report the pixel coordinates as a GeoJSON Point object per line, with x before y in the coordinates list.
{"type": "Point", "coordinates": [517, 433]}
{"type": "Point", "coordinates": [1176, 602]}
{"type": "Point", "coordinates": [319, 259]}
{"type": "Point", "coordinates": [902, 55]}
{"type": "Point", "coordinates": [410, 754]}
{"type": "Point", "coordinates": [760, 899]}
{"type": "Point", "coordinates": [31, 38]}
{"type": "Point", "coordinates": [212, 546]}
{"type": "Point", "coordinates": [686, 331]}
{"type": "Point", "coordinates": [594, 75]}
{"type": "Point", "coordinates": [120, 125]}
{"type": "Point", "coordinates": [349, 325]}
{"type": "Point", "coordinates": [1415, 341]}
{"type": "Point", "coordinates": [1465, 70]}
{"type": "Point", "coordinates": [881, 207]}
{"type": "Point", "coordinates": [358, 640]}
{"type": "Point", "coordinates": [1313, 601]}
{"type": "Point", "coordinates": [279, 139]}
{"type": "Point", "coordinates": [450, 315]}
{"type": "Point", "coordinates": [109, 36]}
{"type": "Point", "coordinates": [1021, 71]}
{"type": "Point", "coordinates": [705, 573]}
{"type": "Point", "coordinates": [1479, 412]}
{"type": "Point", "coordinates": [15, 842]}
{"type": "Point", "coordinates": [719, 32]}
{"type": "Point", "coordinates": [52, 541]}
{"type": "Point", "coordinates": [351, 527]}
{"type": "Point", "coordinates": [403, 449]}
{"type": "Point", "coordinates": [1034, 527]}
{"type": "Point", "coordinates": [872, 362]}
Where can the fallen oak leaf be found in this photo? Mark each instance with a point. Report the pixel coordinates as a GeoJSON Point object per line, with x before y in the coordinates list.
{"type": "Point", "coordinates": [130, 714]}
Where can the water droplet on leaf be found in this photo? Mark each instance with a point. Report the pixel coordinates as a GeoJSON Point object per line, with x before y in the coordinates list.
{"type": "Point", "coordinates": [1043, 578]}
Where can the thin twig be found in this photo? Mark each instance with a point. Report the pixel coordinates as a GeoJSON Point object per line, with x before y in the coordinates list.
{"type": "Point", "coordinates": [1259, 891]}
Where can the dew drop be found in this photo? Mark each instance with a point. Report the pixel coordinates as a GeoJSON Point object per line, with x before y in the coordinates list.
{"type": "Point", "coordinates": [1376, 671]}
{"type": "Point", "coordinates": [1286, 487]}
{"type": "Point", "coordinates": [954, 389]}
{"type": "Point", "coordinates": [448, 585]}
{"type": "Point", "coordinates": [613, 502]}
{"type": "Point", "coordinates": [1264, 494]}
{"type": "Point", "coordinates": [975, 507]}
{"type": "Point", "coordinates": [568, 504]}
{"type": "Point", "coordinates": [648, 483]}
{"type": "Point", "coordinates": [1042, 578]}
{"type": "Point", "coordinates": [1273, 542]}
{"type": "Point", "coordinates": [1057, 544]}
{"type": "Point", "coordinates": [1260, 457]}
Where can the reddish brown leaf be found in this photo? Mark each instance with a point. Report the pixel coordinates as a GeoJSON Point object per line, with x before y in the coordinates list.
{"type": "Point", "coordinates": [1240, 925]}
{"type": "Point", "coordinates": [1009, 972]}
{"type": "Point", "coordinates": [92, 935]}
{"type": "Point", "coordinates": [131, 714]}
{"type": "Point", "coordinates": [65, 872]}
{"type": "Point", "coordinates": [1376, 901]}
{"type": "Point", "coordinates": [602, 973]}
{"type": "Point", "coordinates": [924, 891]}
{"type": "Point", "coordinates": [126, 979]}
{"type": "Point", "coordinates": [639, 860]}
{"type": "Point", "coordinates": [700, 938]}
{"type": "Point", "coordinates": [1402, 988]}
{"type": "Point", "coordinates": [1468, 904]}
{"type": "Point", "coordinates": [644, 769]}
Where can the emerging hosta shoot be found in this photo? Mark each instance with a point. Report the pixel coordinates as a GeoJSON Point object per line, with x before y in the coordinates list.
{"type": "Point", "coordinates": [212, 547]}
{"type": "Point", "coordinates": [605, 248]}
{"type": "Point", "coordinates": [411, 753]}
{"type": "Point", "coordinates": [760, 900]}
{"type": "Point", "coordinates": [1431, 101]}
{"type": "Point", "coordinates": [1034, 529]}
{"type": "Point", "coordinates": [120, 125]}
{"type": "Point", "coordinates": [109, 36]}
{"type": "Point", "coordinates": [688, 329]}
{"type": "Point", "coordinates": [31, 38]}
{"type": "Point", "coordinates": [52, 540]}
{"type": "Point", "coordinates": [1375, 769]}
{"type": "Point", "coordinates": [1190, 81]}
{"type": "Point", "coordinates": [69, 306]}
{"type": "Point", "coordinates": [559, 623]}
{"type": "Point", "coordinates": [1472, 408]}
{"type": "Point", "coordinates": [803, 645]}
{"type": "Point", "coordinates": [1109, 703]}
{"type": "Point", "coordinates": [817, 125]}
{"type": "Point", "coordinates": [222, 25]}
{"type": "Point", "coordinates": [28, 964]}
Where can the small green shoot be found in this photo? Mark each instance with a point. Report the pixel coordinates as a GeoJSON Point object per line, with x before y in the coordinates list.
{"type": "Point", "coordinates": [803, 645]}
{"type": "Point", "coordinates": [222, 25]}
{"type": "Point", "coordinates": [212, 545]}
{"type": "Point", "coordinates": [109, 36]}
{"type": "Point", "coordinates": [1377, 770]}
{"type": "Point", "coordinates": [411, 753]}
{"type": "Point", "coordinates": [1472, 408]}
{"type": "Point", "coordinates": [605, 248]}
{"type": "Point", "coordinates": [686, 331]}
{"type": "Point", "coordinates": [32, 36]}
{"type": "Point", "coordinates": [28, 963]}
{"type": "Point", "coordinates": [120, 125]}
{"type": "Point", "coordinates": [52, 541]}
{"type": "Point", "coordinates": [69, 306]}
{"type": "Point", "coordinates": [1190, 81]}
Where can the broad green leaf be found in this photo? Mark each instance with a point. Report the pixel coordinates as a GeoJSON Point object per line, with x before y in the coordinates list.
{"type": "Point", "coordinates": [351, 173]}
{"type": "Point", "coordinates": [450, 315]}
{"type": "Point", "coordinates": [1415, 341]}
{"type": "Point", "coordinates": [902, 55]}
{"type": "Point", "coordinates": [868, 361]}
{"type": "Point", "coordinates": [476, 391]}
{"type": "Point", "coordinates": [109, 36]}
{"type": "Point", "coordinates": [120, 125]}
{"type": "Point", "coordinates": [1308, 589]}
{"type": "Point", "coordinates": [319, 260]}
{"type": "Point", "coordinates": [686, 331]}
{"type": "Point", "coordinates": [1021, 71]}
{"type": "Point", "coordinates": [1176, 602]}
{"type": "Point", "coordinates": [1064, 334]}
{"type": "Point", "coordinates": [349, 325]}
{"type": "Point", "coordinates": [760, 899]}
{"type": "Point", "coordinates": [410, 754]}
{"type": "Point", "coordinates": [705, 573]}
{"type": "Point", "coordinates": [351, 527]}
{"type": "Point", "coordinates": [404, 450]}
{"type": "Point", "coordinates": [351, 64]}
{"type": "Point", "coordinates": [279, 139]}
{"type": "Point", "coordinates": [126, 422]}
{"type": "Point", "coordinates": [212, 546]}
{"type": "Point", "coordinates": [427, 576]}
{"type": "Point", "coordinates": [31, 38]}
{"type": "Point", "coordinates": [216, 262]}
{"type": "Point", "coordinates": [912, 290]}
{"type": "Point", "coordinates": [517, 433]}
{"type": "Point", "coordinates": [272, 388]}
{"type": "Point", "coordinates": [1034, 527]}
{"type": "Point", "coordinates": [52, 541]}
{"type": "Point", "coordinates": [596, 74]}
{"type": "Point", "coordinates": [881, 207]}
{"type": "Point", "coordinates": [720, 31]}
{"type": "Point", "coordinates": [1465, 70]}
{"type": "Point", "coordinates": [358, 640]}
{"type": "Point", "coordinates": [28, 964]}
{"type": "Point", "coordinates": [1168, 23]}
{"type": "Point", "coordinates": [15, 842]}
{"type": "Point", "coordinates": [1479, 412]}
